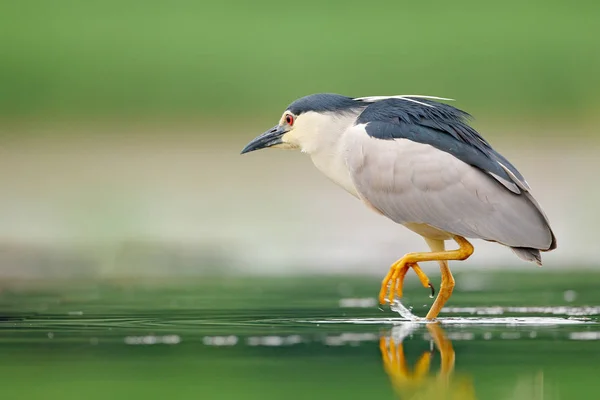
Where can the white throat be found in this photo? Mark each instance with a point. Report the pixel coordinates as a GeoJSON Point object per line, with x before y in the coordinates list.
{"type": "Point", "coordinates": [320, 136]}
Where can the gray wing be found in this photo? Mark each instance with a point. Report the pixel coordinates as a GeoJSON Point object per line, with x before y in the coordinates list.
{"type": "Point", "coordinates": [444, 127]}
{"type": "Point", "coordinates": [412, 182]}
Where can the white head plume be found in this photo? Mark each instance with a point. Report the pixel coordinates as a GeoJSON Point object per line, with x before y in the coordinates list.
{"type": "Point", "coordinates": [406, 97]}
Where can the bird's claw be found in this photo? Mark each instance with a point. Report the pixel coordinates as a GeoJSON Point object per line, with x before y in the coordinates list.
{"type": "Point", "coordinates": [432, 290]}
{"type": "Point", "coordinates": [394, 280]}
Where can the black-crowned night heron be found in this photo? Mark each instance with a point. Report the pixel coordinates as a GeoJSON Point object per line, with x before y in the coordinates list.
{"type": "Point", "coordinates": [418, 162]}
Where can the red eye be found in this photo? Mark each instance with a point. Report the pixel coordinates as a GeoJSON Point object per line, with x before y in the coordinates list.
{"type": "Point", "coordinates": [289, 119]}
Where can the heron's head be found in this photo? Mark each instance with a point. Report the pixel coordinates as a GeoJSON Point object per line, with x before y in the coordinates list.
{"type": "Point", "coordinates": [309, 123]}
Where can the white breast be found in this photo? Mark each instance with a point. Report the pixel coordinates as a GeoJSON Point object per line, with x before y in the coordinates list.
{"type": "Point", "coordinates": [332, 164]}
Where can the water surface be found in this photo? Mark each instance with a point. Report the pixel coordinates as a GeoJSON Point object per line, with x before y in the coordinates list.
{"type": "Point", "coordinates": [297, 338]}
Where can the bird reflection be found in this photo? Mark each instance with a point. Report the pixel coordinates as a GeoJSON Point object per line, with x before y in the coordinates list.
{"type": "Point", "coordinates": [419, 383]}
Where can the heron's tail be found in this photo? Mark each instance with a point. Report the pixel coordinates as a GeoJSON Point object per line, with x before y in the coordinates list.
{"type": "Point", "coordinates": [528, 254]}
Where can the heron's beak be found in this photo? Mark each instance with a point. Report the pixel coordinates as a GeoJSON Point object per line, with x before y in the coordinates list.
{"type": "Point", "coordinates": [270, 138]}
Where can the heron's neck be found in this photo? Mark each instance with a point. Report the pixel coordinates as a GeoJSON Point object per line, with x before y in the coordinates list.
{"type": "Point", "coordinates": [326, 150]}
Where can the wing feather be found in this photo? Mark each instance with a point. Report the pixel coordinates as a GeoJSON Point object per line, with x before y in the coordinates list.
{"type": "Point", "coordinates": [442, 126]}
{"type": "Point", "coordinates": [416, 183]}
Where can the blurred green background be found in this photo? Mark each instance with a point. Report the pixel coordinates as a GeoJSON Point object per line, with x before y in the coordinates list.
{"type": "Point", "coordinates": [121, 124]}
{"type": "Point", "coordinates": [236, 59]}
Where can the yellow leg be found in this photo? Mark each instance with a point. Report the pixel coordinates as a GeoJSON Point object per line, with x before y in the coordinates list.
{"type": "Point", "coordinates": [398, 270]}
{"type": "Point", "coordinates": [446, 289]}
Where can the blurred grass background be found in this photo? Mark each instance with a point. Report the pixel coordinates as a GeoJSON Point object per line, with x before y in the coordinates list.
{"type": "Point", "coordinates": [121, 124]}
{"type": "Point", "coordinates": [237, 59]}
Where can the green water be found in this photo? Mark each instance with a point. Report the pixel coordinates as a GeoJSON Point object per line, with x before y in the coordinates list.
{"type": "Point", "coordinates": [298, 338]}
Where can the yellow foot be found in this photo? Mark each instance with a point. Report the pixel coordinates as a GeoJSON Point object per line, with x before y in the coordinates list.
{"type": "Point", "coordinates": [394, 280]}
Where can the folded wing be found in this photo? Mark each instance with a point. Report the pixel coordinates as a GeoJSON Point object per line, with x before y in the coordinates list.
{"type": "Point", "coordinates": [402, 170]}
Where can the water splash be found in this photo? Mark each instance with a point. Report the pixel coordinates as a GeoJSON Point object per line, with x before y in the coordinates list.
{"type": "Point", "coordinates": [404, 312]}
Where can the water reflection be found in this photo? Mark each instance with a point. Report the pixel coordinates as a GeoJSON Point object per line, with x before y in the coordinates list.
{"type": "Point", "coordinates": [419, 382]}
